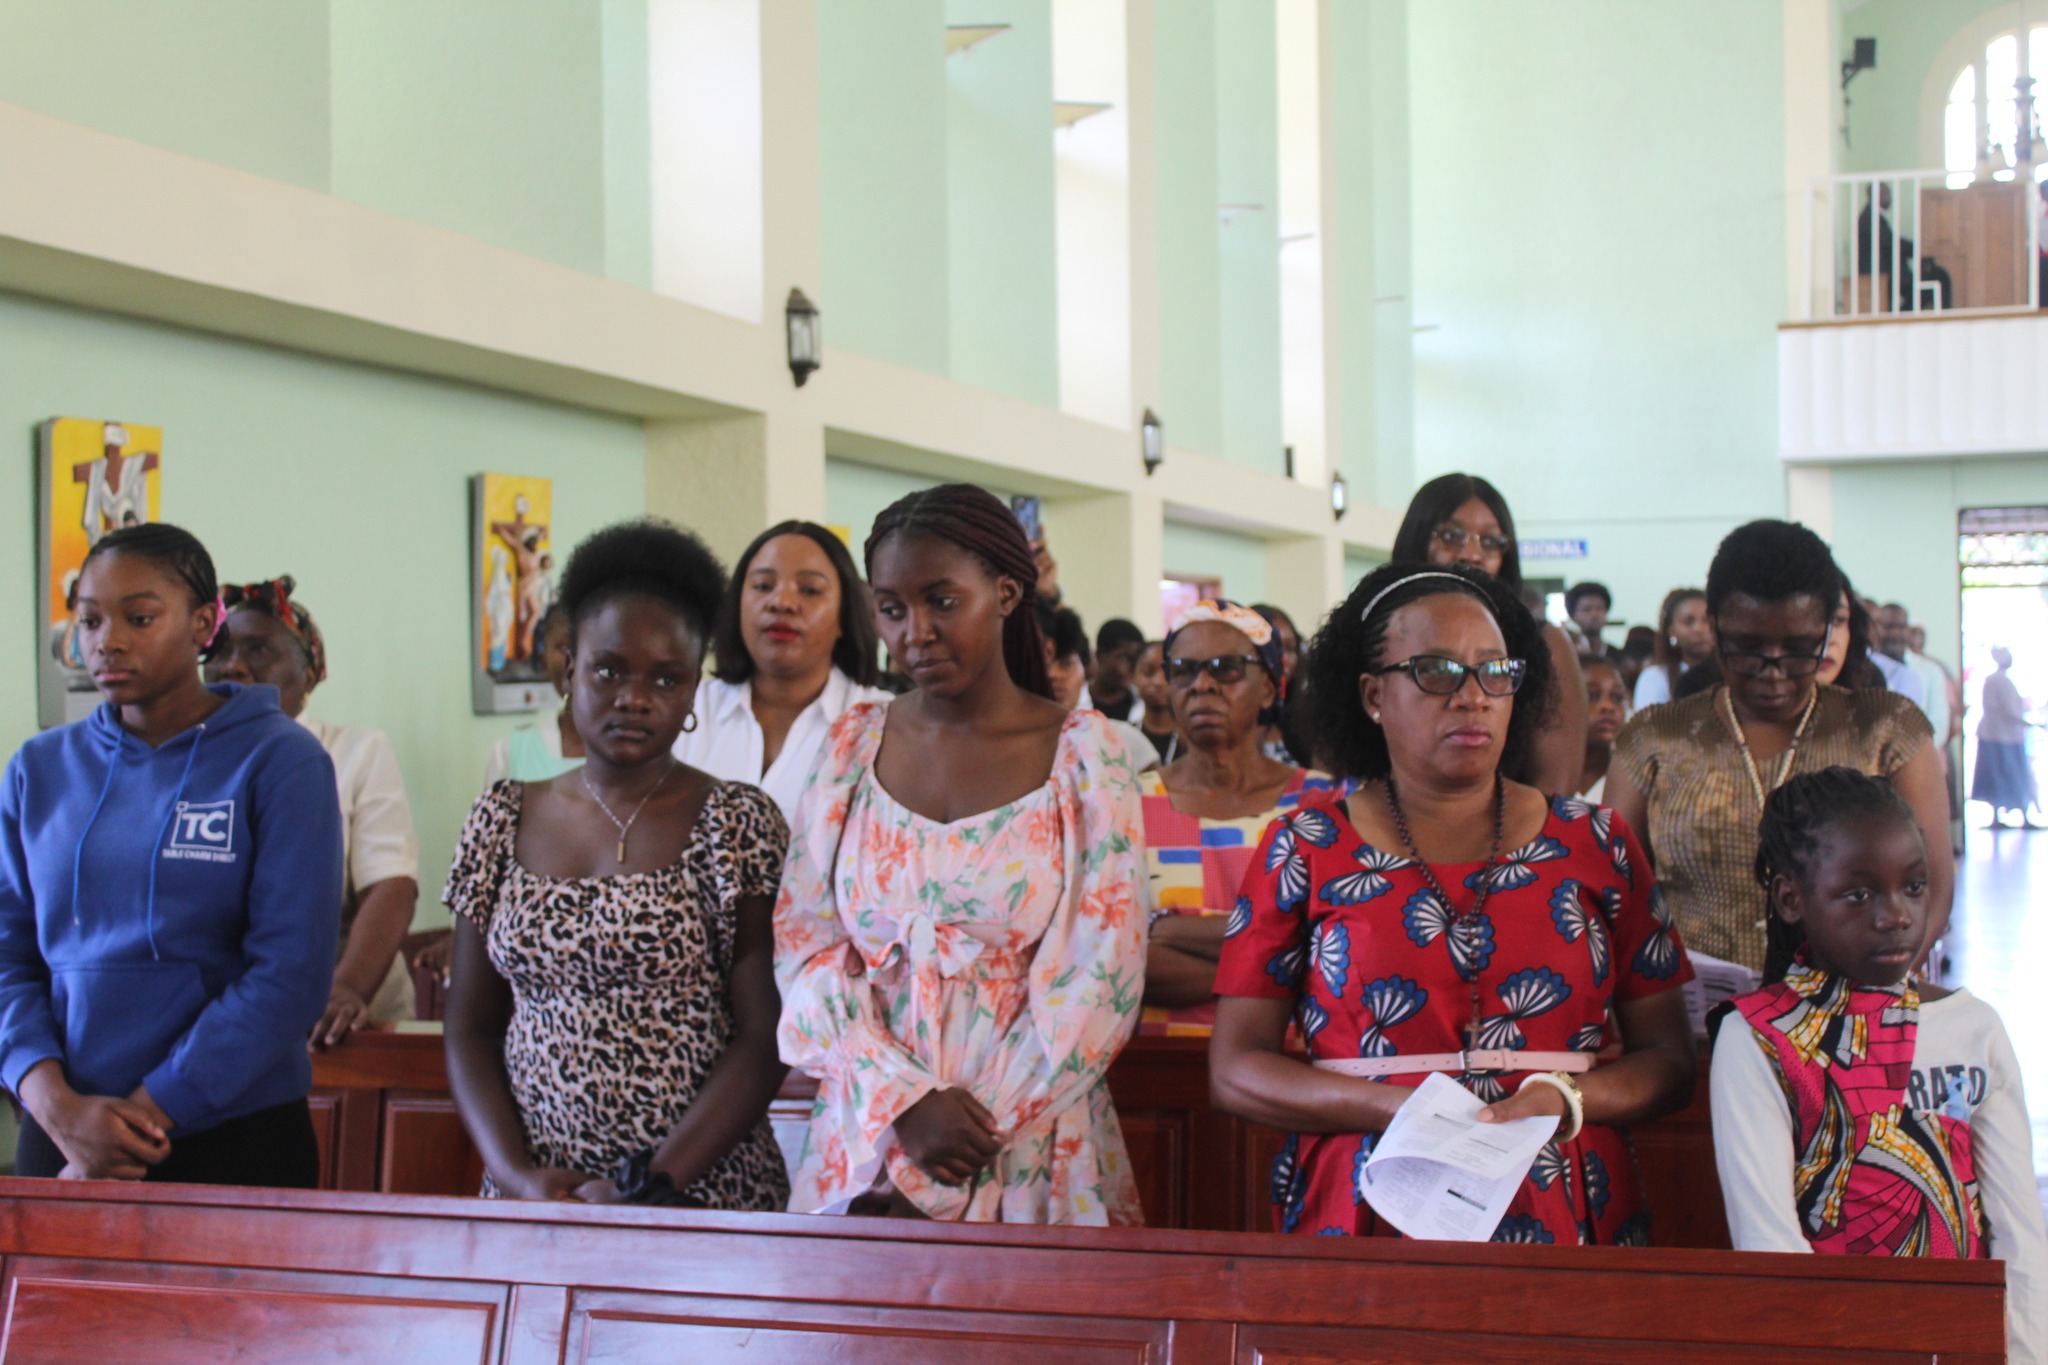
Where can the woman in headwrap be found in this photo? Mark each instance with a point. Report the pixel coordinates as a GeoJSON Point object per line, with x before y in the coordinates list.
{"type": "Point", "coordinates": [271, 639]}
{"type": "Point", "coordinates": [1226, 675]}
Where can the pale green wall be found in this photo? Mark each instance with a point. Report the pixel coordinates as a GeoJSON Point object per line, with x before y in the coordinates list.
{"type": "Point", "coordinates": [882, 159]}
{"type": "Point", "coordinates": [519, 122]}
{"type": "Point", "coordinates": [855, 495]}
{"type": "Point", "coordinates": [1248, 247]}
{"type": "Point", "coordinates": [241, 83]}
{"type": "Point", "coordinates": [1205, 552]}
{"type": "Point", "coordinates": [1368, 214]}
{"type": "Point", "coordinates": [1001, 255]}
{"type": "Point", "coordinates": [1885, 131]}
{"type": "Point", "coordinates": [476, 115]}
{"type": "Point", "coordinates": [628, 184]}
{"type": "Point", "coordinates": [1600, 241]}
{"type": "Point", "coordinates": [353, 480]}
{"type": "Point", "coordinates": [1189, 246]}
{"type": "Point", "coordinates": [1895, 530]}
{"type": "Point", "coordinates": [1357, 566]}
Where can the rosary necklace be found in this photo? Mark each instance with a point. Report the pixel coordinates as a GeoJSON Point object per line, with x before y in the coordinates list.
{"type": "Point", "coordinates": [1500, 820]}
{"type": "Point", "coordinates": [626, 825]}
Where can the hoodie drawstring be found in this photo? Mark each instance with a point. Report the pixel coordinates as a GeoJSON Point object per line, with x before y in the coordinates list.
{"type": "Point", "coordinates": [156, 849]}
{"type": "Point", "coordinates": [78, 858]}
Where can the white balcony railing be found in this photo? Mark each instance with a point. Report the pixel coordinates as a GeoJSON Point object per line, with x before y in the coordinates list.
{"type": "Point", "coordinates": [1897, 242]}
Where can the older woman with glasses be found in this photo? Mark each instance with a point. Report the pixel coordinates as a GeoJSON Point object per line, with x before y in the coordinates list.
{"type": "Point", "coordinates": [1693, 775]}
{"type": "Point", "coordinates": [1445, 918]}
{"type": "Point", "coordinates": [1204, 812]}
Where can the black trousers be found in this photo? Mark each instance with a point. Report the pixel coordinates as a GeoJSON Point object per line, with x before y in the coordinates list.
{"type": "Point", "coordinates": [272, 1148]}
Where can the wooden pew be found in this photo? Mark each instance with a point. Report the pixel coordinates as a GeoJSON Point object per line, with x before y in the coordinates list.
{"type": "Point", "coordinates": [386, 1124]}
{"type": "Point", "coordinates": [183, 1275]}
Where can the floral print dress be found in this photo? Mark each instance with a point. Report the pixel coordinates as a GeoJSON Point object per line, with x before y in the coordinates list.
{"type": "Point", "coordinates": [1378, 966]}
{"type": "Point", "coordinates": [1002, 954]}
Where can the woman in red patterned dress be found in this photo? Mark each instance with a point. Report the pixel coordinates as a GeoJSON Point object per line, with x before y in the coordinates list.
{"type": "Point", "coordinates": [1442, 918]}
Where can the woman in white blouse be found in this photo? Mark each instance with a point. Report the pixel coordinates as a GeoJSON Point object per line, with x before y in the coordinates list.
{"type": "Point", "coordinates": [268, 637]}
{"type": "Point", "coordinates": [795, 648]}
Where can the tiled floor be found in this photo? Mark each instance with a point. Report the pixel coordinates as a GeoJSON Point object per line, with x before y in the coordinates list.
{"type": "Point", "coordinates": [1999, 948]}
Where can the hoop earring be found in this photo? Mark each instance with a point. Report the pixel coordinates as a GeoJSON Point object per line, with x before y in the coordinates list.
{"type": "Point", "coordinates": [690, 723]}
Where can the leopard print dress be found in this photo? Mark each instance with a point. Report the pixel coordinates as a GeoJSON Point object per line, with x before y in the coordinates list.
{"type": "Point", "coordinates": [620, 1008]}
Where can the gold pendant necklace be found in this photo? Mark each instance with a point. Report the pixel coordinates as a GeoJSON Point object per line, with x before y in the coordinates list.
{"type": "Point", "coordinates": [626, 825]}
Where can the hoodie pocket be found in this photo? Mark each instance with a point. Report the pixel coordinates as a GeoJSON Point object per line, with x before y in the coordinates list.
{"type": "Point", "coordinates": [120, 1019]}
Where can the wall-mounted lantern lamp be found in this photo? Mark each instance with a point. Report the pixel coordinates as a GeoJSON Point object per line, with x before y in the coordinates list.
{"type": "Point", "coordinates": [1340, 496]}
{"type": "Point", "coordinates": [806, 337]}
{"type": "Point", "coordinates": [1153, 432]}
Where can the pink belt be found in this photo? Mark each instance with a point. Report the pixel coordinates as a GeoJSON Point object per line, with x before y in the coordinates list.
{"type": "Point", "coordinates": [1475, 1059]}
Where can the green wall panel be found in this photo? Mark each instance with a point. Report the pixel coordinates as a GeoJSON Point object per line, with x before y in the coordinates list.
{"type": "Point", "coordinates": [1002, 293]}
{"type": "Point", "coordinates": [483, 116]}
{"type": "Point", "coordinates": [238, 82]}
{"type": "Point", "coordinates": [1189, 259]}
{"type": "Point", "coordinates": [1599, 248]}
{"type": "Point", "coordinates": [1205, 552]}
{"type": "Point", "coordinates": [882, 151]}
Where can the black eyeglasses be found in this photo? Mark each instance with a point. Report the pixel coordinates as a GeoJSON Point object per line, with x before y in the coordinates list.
{"type": "Point", "coordinates": [1454, 538]}
{"type": "Point", "coordinates": [1224, 668]}
{"type": "Point", "coordinates": [1441, 677]}
{"type": "Point", "coordinates": [1745, 664]}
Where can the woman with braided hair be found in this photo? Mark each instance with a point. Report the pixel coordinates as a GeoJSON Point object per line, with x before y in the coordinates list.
{"type": "Point", "coordinates": [960, 937]}
{"type": "Point", "coordinates": [1858, 1112]}
{"type": "Point", "coordinates": [270, 639]}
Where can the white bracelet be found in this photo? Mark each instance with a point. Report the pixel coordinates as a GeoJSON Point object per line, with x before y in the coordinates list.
{"type": "Point", "coordinates": [1565, 1086]}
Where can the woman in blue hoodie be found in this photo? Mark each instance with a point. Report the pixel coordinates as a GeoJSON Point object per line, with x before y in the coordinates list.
{"type": "Point", "coordinates": [170, 886]}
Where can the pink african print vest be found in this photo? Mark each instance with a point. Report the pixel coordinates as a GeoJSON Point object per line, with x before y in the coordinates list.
{"type": "Point", "coordinates": [1873, 1178]}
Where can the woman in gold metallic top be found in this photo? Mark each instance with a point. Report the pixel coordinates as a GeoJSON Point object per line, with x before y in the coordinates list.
{"type": "Point", "coordinates": [1692, 776]}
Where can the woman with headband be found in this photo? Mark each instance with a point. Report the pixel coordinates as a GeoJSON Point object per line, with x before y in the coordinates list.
{"type": "Point", "coordinates": [269, 638]}
{"type": "Point", "coordinates": [1443, 918]}
{"type": "Point", "coordinates": [960, 938]}
{"type": "Point", "coordinates": [170, 886]}
{"type": "Point", "coordinates": [1204, 812]}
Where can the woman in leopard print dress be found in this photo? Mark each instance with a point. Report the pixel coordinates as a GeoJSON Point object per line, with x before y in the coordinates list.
{"type": "Point", "coordinates": [612, 1011]}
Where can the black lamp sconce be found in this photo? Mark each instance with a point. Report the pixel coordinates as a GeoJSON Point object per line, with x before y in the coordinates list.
{"type": "Point", "coordinates": [1152, 432]}
{"type": "Point", "coordinates": [806, 337]}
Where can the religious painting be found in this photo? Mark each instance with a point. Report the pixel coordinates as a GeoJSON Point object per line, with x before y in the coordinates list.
{"type": "Point", "coordinates": [512, 571]}
{"type": "Point", "coordinates": [92, 477]}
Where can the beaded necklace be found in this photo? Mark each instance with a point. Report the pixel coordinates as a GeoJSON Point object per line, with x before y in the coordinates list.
{"type": "Point", "coordinates": [1458, 917]}
{"type": "Point", "coordinates": [1756, 781]}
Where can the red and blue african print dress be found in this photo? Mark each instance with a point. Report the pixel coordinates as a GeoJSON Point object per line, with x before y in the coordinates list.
{"type": "Point", "coordinates": [1379, 966]}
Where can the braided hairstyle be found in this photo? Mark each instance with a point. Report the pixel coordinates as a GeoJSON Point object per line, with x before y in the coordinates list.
{"type": "Point", "coordinates": [173, 549]}
{"type": "Point", "coordinates": [1796, 819]}
{"type": "Point", "coordinates": [1347, 648]}
{"type": "Point", "coordinates": [977, 521]}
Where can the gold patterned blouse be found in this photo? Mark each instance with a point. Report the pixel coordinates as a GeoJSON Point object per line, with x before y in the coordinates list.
{"type": "Point", "coordinates": [1703, 814]}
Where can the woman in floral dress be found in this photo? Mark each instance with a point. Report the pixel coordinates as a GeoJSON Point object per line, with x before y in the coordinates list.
{"type": "Point", "coordinates": [1444, 919]}
{"type": "Point", "coordinates": [960, 934]}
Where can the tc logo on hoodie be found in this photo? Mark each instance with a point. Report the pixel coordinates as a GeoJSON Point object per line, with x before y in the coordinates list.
{"type": "Point", "coordinates": [204, 831]}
